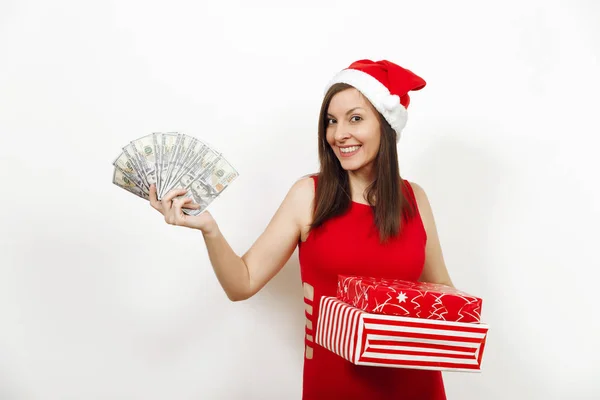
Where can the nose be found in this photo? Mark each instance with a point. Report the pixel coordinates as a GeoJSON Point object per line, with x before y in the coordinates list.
{"type": "Point", "coordinates": [341, 133]}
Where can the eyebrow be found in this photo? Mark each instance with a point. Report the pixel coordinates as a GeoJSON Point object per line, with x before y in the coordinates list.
{"type": "Point", "coordinates": [349, 111]}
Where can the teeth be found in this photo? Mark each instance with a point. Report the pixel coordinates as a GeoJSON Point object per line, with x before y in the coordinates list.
{"type": "Point", "coordinates": [349, 149]}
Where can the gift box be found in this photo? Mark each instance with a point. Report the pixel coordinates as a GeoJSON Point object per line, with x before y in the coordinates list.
{"type": "Point", "coordinates": [409, 299]}
{"type": "Point", "coordinates": [393, 341]}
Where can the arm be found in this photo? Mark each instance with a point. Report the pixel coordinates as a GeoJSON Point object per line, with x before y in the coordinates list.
{"type": "Point", "coordinates": [435, 270]}
{"type": "Point", "coordinates": [242, 277]}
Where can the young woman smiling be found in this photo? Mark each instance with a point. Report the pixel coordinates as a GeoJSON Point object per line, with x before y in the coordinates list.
{"type": "Point", "coordinates": [356, 216]}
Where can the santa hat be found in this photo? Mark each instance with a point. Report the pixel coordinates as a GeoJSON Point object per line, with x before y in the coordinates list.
{"type": "Point", "coordinates": [385, 85]}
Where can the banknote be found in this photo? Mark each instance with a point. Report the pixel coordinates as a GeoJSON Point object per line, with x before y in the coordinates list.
{"type": "Point", "coordinates": [157, 142]}
{"type": "Point", "coordinates": [173, 160]}
{"type": "Point", "coordinates": [126, 165]}
{"type": "Point", "coordinates": [173, 155]}
{"type": "Point", "coordinates": [133, 178]}
{"type": "Point", "coordinates": [168, 143]}
{"type": "Point", "coordinates": [200, 160]}
{"type": "Point", "coordinates": [131, 155]}
{"type": "Point", "coordinates": [220, 175]}
{"type": "Point", "coordinates": [146, 154]}
{"type": "Point", "coordinates": [123, 182]}
{"type": "Point", "coordinates": [181, 157]}
{"type": "Point", "coordinates": [206, 186]}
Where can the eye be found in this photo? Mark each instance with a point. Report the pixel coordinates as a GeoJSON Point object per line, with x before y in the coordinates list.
{"type": "Point", "coordinates": [356, 118]}
{"type": "Point", "coordinates": [330, 121]}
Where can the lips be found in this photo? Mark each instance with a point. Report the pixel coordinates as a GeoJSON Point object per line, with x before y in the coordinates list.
{"type": "Point", "coordinates": [348, 151]}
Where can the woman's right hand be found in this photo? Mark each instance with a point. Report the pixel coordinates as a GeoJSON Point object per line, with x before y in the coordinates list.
{"type": "Point", "coordinates": [171, 208]}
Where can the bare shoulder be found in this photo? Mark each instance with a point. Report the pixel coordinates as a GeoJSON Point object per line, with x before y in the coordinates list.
{"type": "Point", "coordinates": [422, 203]}
{"type": "Point", "coordinates": [304, 197]}
{"type": "Point", "coordinates": [420, 194]}
{"type": "Point", "coordinates": [298, 200]}
{"type": "Point", "coordinates": [303, 190]}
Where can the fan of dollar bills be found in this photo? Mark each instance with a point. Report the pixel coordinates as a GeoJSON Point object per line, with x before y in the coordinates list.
{"type": "Point", "coordinates": [173, 160]}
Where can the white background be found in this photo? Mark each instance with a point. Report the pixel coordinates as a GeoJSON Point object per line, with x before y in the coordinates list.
{"type": "Point", "coordinates": [101, 299]}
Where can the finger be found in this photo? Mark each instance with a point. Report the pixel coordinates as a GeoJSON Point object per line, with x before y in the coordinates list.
{"type": "Point", "coordinates": [153, 199]}
{"type": "Point", "coordinates": [194, 206]}
{"type": "Point", "coordinates": [167, 201]}
{"type": "Point", "coordinates": [178, 215]}
{"type": "Point", "coordinates": [174, 193]}
{"type": "Point", "coordinates": [180, 202]}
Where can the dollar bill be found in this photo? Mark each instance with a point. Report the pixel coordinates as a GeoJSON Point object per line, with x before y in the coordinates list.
{"type": "Point", "coordinates": [123, 182]}
{"type": "Point", "coordinates": [157, 143]}
{"type": "Point", "coordinates": [146, 154]}
{"type": "Point", "coordinates": [219, 175]}
{"type": "Point", "coordinates": [182, 148]}
{"type": "Point", "coordinates": [206, 186]}
{"type": "Point", "coordinates": [197, 192]}
{"type": "Point", "coordinates": [172, 160]}
{"type": "Point", "coordinates": [126, 165]}
{"type": "Point", "coordinates": [200, 158]}
{"type": "Point", "coordinates": [201, 192]}
{"type": "Point", "coordinates": [198, 198]}
{"type": "Point", "coordinates": [133, 177]}
{"type": "Point", "coordinates": [134, 160]}
{"type": "Point", "coordinates": [169, 140]}
{"type": "Point", "coordinates": [173, 156]}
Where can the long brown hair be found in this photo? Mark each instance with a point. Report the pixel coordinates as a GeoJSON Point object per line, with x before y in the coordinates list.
{"type": "Point", "coordinates": [385, 195]}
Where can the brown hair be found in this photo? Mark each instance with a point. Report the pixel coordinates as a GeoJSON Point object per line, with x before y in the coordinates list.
{"type": "Point", "coordinates": [385, 195]}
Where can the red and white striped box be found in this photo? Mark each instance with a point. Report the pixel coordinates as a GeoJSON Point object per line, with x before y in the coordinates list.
{"type": "Point", "coordinates": [393, 341]}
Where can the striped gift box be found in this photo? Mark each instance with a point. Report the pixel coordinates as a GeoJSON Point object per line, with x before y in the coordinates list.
{"type": "Point", "coordinates": [403, 342]}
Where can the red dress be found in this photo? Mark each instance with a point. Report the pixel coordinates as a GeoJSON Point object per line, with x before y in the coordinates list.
{"type": "Point", "coordinates": [349, 244]}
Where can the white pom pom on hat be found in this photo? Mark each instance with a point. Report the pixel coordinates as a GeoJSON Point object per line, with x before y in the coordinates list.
{"type": "Point", "coordinates": [385, 85]}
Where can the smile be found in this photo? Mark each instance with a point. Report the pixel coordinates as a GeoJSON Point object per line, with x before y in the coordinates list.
{"type": "Point", "coordinates": [348, 151]}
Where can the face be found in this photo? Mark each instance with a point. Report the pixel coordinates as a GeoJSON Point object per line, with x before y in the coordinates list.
{"type": "Point", "coordinates": [353, 130]}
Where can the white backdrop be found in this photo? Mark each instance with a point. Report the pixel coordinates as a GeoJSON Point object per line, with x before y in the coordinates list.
{"type": "Point", "coordinates": [101, 299]}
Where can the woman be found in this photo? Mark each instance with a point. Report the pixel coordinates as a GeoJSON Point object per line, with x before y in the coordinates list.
{"type": "Point", "coordinates": [357, 216]}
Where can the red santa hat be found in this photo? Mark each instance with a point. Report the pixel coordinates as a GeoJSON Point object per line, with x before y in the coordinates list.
{"type": "Point", "coordinates": [385, 85]}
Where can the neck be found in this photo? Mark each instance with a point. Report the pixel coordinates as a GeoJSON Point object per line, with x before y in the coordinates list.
{"type": "Point", "coordinates": [359, 181]}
